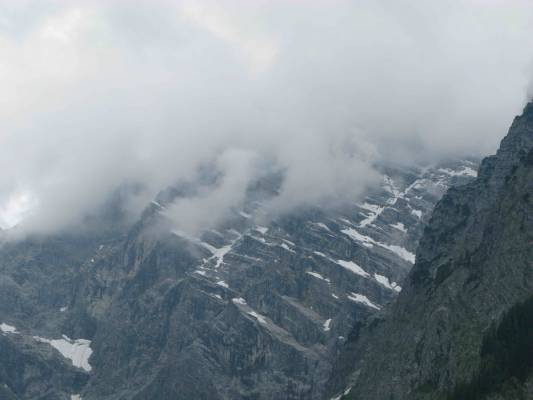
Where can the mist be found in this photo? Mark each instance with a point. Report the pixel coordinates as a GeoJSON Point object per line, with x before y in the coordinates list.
{"type": "Point", "coordinates": [96, 95]}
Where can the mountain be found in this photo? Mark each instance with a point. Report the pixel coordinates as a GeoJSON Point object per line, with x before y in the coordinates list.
{"type": "Point", "coordinates": [257, 308]}
{"type": "Point", "coordinates": [462, 327]}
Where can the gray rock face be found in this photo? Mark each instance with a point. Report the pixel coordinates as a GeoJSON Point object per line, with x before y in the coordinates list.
{"type": "Point", "coordinates": [254, 309]}
{"type": "Point", "coordinates": [474, 263]}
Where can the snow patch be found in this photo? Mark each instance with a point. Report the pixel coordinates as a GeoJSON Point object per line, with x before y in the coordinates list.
{"type": "Point", "coordinates": [221, 253]}
{"type": "Point", "coordinates": [417, 213]}
{"type": "Point", "coordinates": [194, 240]}
{"type": "Point", "coordinates": [217, 253]}
{"type": "Point", "coordinates": [400, 251]}
{"type": "Point", "coordinates": [318, 276]}
{"type": "Point", "coordinates": [370, 207]}
{"type": "Point", "coordinates": [345, 393]}
{"type": "Point", "coordinates": [262, 229]}
{"type": "Point", "coordinates": [212, 249]}
{"type": "Point", "coordinates": [244, 307]}
{"type": "Point", "coordinates": [369, 242]}
{"type": "Point", "coordinates": [399, 226]}
{"type": "Point", "coordinates": [345, 221]}
{"type": "Point", "coordinates": [360, 298]}
{"type": "Point", "coordinates": [284, 245]}
{"type": "Point", "coordinates": [5, 328]}
{"type": "Point", "coordinates": [465, 171]}
{"type": "Point", "coordinates": [260, 318]}
{"type": "Point", "coordinates": [327, 325]}
{"type": "Point", "coordinates": [289, 242]}
{"type": "Point", "coordinates": [78, 351]}
{"type": "Point", "coordinates": [353, 267]}
{"type": "Point", "coordinates": [223, 284]}
{"type": "Point", "coordinates": [158, 205]}
{"type": "Point", "coordinates": [375, 212]}
{"type": "Point", "coordinates": [323, 226]}
{"type": "Point", "coordinates": [383, 280]}
{"type": "Point", "coordinates": [364, 240]}
{"type": "Point", "coordinates": [245, 215]}
{"type": "Point", "coordinates": [349, 265]}
{"type": "Point", "coordinates": [239, 300]}
{"type": "Point", "coordinates": [390, 187]}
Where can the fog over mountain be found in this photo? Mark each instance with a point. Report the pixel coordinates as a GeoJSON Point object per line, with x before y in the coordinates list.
{"type": "Point", "coordinates": [98, 96]}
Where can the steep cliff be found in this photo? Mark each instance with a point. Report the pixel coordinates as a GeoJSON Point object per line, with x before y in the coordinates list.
{"type": "Point", "coordinates": [460, 327]}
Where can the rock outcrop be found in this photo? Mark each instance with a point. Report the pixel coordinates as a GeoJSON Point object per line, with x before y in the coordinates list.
{"type": "Point", "coordinates": [460, 327]}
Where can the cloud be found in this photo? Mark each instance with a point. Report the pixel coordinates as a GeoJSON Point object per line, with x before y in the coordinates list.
{"type": "Point", "coordinates": [96, 95]}
{"type": "Point", "coordinates": [214, 203]}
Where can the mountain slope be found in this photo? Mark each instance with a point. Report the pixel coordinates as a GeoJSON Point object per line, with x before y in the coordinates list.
{"type": "Point", "coordinates": [254, 309]}
{"type": "Point", "coordinates": [474, 266]}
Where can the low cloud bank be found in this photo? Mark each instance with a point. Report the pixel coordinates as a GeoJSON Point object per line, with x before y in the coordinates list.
{"type": "Point", "coordinates": [98, 94]}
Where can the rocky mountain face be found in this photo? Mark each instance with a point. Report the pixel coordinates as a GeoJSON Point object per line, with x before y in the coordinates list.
{"type": "Point", "coordinates": [257, 308]}
{"type": "Point", "coordinates": [462, 327]}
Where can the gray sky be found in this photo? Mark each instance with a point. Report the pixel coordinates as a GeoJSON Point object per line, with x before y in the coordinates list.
{"type": "Point", "coordinates": [100, 93]}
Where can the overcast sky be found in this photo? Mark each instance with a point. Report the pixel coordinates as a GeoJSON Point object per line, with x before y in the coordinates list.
{"type": "Point", "coordinates": [95, 94]}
